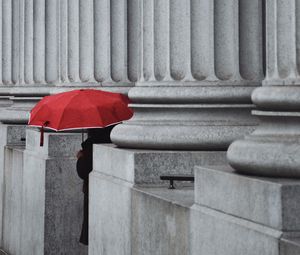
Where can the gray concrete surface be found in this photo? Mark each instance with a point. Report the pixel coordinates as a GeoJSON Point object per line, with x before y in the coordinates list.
{"type": "Point", "coordinates": [217, 233]}
{"type": "Point", "coordinates": [160, 221]}
{"type": "Point", "coordinates": [109, 215]}
{"type": "Point", "coordinates": [12, 193]}
{"type": "Point", "coordinates": [145, 166]}
{"type": "Point", "coordinates": [9, 135]}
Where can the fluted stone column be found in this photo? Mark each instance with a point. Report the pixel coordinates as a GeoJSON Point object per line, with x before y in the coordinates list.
{"type": "Point", "coordinates": [200, 61]}
{"type": "Point", "coordinates": [49, 46]}
{"type": "Point", "coordinates": [273, 149]}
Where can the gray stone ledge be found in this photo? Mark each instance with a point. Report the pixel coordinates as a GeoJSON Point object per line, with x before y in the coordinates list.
{"type": "Point", "coordinates": [271, 202]}
{"type": "Point", "coordinates": [275, 114]}
{"type": "Point", "coordinates": [55, 144]}
{"type": "Point", "coordinates": [182, 196]}
{"type": "Point", "coordinates": [156, 92]}
{"type": "Point", "coordinates": [145, 166]}
{"type": "Point", "coordinates": [277, 97]}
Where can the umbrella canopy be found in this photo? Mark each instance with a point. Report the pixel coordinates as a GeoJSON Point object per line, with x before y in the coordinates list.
{"type": "Point", "coordinates": [80, 109]}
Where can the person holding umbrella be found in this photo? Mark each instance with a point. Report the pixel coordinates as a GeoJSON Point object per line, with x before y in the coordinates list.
{"type": "Point", "coordinates": [95, 110]}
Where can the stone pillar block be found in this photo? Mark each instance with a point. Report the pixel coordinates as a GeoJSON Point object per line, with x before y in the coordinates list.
{"type": "Point", "coordinates": [12, 135]}
{"type": "Point", "coordinates": [116, 173]}
{"type": "Point", "coordinates": [12, 199]}
{"type": "Point", "coordinates": [244, 214]}
{"type": "Point", "coordinates": [161, 220]}
{"type": "Point", "coordinates": [53, 202]}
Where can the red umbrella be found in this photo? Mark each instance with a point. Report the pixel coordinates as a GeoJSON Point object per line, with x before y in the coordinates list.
{"type": "Point", "coordinates": [80, 109]}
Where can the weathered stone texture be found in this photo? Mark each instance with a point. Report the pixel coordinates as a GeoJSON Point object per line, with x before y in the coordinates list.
{"type": "Point", "coordinates": [198, 67]}
{"type": "Point", "coordinates": [52, 198]}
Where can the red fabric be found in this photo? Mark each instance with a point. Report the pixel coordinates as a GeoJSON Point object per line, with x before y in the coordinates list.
{"type": "Point", "coordinates": [86, 108]}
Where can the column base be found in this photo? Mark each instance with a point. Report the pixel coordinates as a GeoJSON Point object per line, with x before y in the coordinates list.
{"type": "Point", "coordinates": [279, 97]}
{"type": "Point", "coordinates": [273, 149]}
{"type": "Point", "coordinates": [18, 111]}
{"type": "Point", "coordinates": [184, 127]}
{"type": "Point", "coordinates": [185, 115]}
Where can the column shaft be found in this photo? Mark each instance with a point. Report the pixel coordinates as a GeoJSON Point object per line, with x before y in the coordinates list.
{"type": "Point", "coordinates": [78, 43]}
{"type": "Point", "coordinates": [49, 46]}
{"type": "Point", "coordinates": [194, 85]}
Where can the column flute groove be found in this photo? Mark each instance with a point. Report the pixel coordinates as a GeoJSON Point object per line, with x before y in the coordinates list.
{"type": "Point", "coordinates": [1, 41]}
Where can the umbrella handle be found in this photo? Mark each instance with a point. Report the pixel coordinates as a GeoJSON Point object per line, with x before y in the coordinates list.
{"type": "Point", "coordinates": [42, 133]}
{"type": "Point", "coordinates": [42, 137]}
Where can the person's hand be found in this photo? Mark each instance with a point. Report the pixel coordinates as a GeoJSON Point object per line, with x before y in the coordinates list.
{"type": "Point", "coordinates": [79, 154]}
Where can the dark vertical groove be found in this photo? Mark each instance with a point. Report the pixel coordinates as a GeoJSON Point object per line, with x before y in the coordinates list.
{"type": "Point", "coordinates": [215, 41]}
{"type": "Point", "coordinates": [297, 25]}
{"type": "Point", "coordinates": [264, 39]}
{"type": "Point", "coordinates": [111, 36]}
{"type": "Point", "coordinates": [94, 39]}
{"type": "Point", "coordinates": [240, 35]}
{"type": "Point", "coordinates": [128, 21]}
{"type": "Point", "coordinates": [14, 40]}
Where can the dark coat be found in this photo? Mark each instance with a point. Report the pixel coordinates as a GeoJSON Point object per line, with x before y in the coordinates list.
{"type": "Point", "coordinates": [84, 166]}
